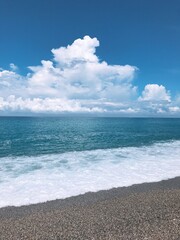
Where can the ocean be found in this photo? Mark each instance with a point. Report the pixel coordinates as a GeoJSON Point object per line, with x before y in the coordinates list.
{"type": "Point", "coordinates": [57, 157]}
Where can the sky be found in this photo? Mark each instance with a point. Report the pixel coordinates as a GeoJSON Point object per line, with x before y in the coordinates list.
{"type": "Point", "coordinates": [113, 57]}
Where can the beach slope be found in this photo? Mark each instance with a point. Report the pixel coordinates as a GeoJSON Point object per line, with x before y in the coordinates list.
{"type": "Point", "coordinates": [142, 211]}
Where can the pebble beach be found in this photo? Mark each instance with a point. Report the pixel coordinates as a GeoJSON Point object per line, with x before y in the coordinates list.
{"type": "Point", "coordinates": [142, 211]}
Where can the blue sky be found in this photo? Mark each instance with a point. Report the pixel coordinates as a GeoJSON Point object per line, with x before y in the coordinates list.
{"type": "Point", "coordinates": [141, 34]}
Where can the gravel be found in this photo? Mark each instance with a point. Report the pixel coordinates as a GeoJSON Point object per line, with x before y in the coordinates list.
{"type": "Point", "coordinates": [143, 211]}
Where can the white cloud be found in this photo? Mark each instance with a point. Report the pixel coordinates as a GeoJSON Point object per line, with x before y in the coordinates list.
{"type": "Point", "coordinates": [174, 109]}
{"type": "Point", "coordinates": [73, 82]}
{"type": "Point", "coordinates": [77, 73]}
{"type": "Point", "coordinates": [77, 81]}
{"type": "Point", "coordinates": [82, 50]}
{"type": "Point", "coordinates": [39, 105]}
{"type": "Point", "coordinates": [155, 92]}
{"type": "Point", "coordinates": [13, 67]}
{"type": "Point", "coordinates": [12, 83]}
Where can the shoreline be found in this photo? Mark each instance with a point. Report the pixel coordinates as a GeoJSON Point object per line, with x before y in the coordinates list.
{"type": "Point", "coordinates": [118, 213]}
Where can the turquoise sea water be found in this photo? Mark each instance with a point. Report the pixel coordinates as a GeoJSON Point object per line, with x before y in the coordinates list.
{"type": "Point", "coordinates": [36, 136]}
{"type": "Point", "coordinates": [48, 158]}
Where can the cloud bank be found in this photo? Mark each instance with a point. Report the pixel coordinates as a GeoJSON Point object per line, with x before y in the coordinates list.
{"type": "Point", "coordinates": [77, 81]}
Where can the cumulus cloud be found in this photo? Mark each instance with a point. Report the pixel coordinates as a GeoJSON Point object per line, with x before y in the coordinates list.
{"type": "Point", "coordinates": [155, 92]}
{"type": "Point", "coordinates": [77, 73]}
{"type": "Point", "coordinates": [76, 80]}
{"type": "Point", "coordinates": [82, 50]}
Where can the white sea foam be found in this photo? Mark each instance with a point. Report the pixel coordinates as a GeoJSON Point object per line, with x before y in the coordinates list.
{"type": "Point", "coordinates": [25, 180]}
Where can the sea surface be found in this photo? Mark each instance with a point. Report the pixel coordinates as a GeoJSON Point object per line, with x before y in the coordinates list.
{"type": "Point", "coordinates": [57, 157]}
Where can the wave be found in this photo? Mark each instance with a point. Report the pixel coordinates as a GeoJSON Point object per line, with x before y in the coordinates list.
{"type": "Point", "coordinates": [26, 180]}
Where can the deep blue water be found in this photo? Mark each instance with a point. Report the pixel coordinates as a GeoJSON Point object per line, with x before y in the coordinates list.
{"type": "Point", "coordinates": [36, 136]}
